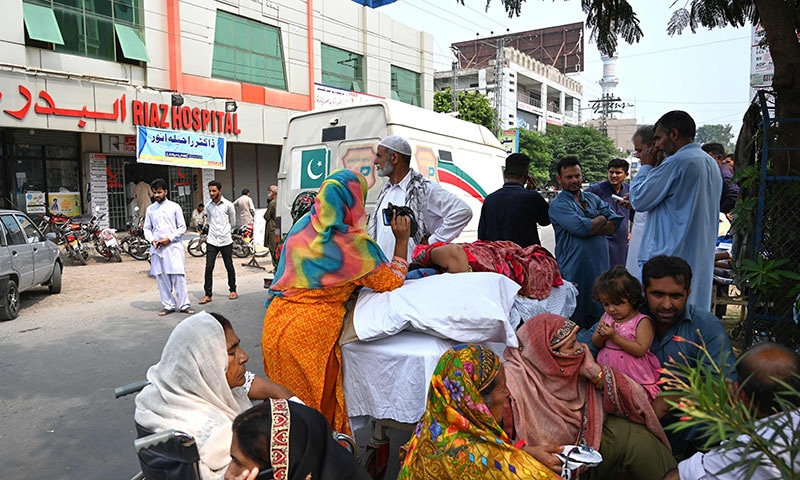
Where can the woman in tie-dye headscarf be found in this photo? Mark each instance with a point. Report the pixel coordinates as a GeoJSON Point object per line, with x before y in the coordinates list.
{"type": "Point", "coordinates": [327, 254]}
{"type": "Point", "coordinates": [459, 435]}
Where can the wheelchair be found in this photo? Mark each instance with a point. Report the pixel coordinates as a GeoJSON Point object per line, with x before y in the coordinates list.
{"type": "Point", "coordinates": [167, 455]}
{"type": "Point", "coordinates": [173, 455]}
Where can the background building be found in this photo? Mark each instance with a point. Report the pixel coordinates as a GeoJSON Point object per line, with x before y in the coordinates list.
{"type": "Point", "coordinates": [529, 93]}
{"type": "Point", "coordinates": [81, 80]}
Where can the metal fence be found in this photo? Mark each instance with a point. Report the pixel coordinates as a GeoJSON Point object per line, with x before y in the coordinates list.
{"type": "Point", "coordinates": [769, 233]}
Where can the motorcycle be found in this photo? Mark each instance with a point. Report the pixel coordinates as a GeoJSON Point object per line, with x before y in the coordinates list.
{"type": "Point", "coordinates": [74, 247]}
{"type": "Point", "coordinates": [69, 232]}
{"type": "Point", "coordinates": [135, 244]}
{"type": "Point", "coordinates": [197, 246]}
{"type": "Point", "coordinates": [243, 241]}
{"type": "Point", "coordinates": [105, 239]}
{"type": "Point", "coordinates": [59, 223]}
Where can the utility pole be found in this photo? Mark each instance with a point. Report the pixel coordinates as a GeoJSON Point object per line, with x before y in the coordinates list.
{"type": "Point", "coordinates": [499, 66]}
{"type": "Point", "coordinates": [454, 87]}
{"type": "Point", "coordinates": [607, 106]}
{"type": "Point", "coordinates": [455, 84]}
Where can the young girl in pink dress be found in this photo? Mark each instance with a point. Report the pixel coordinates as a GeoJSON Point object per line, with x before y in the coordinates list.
{"type": "Point", "coordinates": [624, 335]}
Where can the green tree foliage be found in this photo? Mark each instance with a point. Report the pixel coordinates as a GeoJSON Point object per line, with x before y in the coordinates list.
{"type": "Point", "coordinates": [538, 147]}
{"type": "Point", "coordinates": [472, 106]}
{"type": "Point", "coordinates": [545, 150]}
{"type": "Point", "coordinates": [715, 134]}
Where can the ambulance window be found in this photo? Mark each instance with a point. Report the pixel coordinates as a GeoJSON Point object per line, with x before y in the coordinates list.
{"type": "Point", "coordinates": [334, 134]}
{"type": "Point", "coordinates": [445, 156]}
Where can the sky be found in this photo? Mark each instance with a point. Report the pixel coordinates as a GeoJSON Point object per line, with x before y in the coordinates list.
{"type": "Point", "coordinates": [706, 74]}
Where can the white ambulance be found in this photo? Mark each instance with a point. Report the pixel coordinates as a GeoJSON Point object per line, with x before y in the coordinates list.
{"type": "Point", "coordinates": [465, 158]}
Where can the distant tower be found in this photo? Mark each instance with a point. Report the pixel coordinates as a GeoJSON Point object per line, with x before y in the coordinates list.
{"type": "Point", "coordinates": [609, 80]}
{"type": "Point", "coordinates": [608, 101]}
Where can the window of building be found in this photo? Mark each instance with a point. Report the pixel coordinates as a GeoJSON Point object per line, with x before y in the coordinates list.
{"type": "Point", "coordinates": [248, 51]}
{"type": "Point", "coordinates": [342, 69]}
{"type": "Point", "coordinates": [42, 167]}
{"type": "Point", "coordinates": [406, 86]}
{"type": "Point", "coordinates": [86, 27]}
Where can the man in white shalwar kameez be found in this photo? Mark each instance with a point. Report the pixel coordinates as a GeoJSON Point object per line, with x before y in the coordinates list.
{"type": "Point", "coordinates": [164, 227]}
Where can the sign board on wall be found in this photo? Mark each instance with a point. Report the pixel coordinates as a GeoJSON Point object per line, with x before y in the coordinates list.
{"type": "Point", "coordinates": [208, 175]}
{"type": "Point", "coordinates": [98, 186]}
{"type": "Point", "coordinates": [510, 140]}
{"type": "Point", "coordinates": [179, 149]}
{"type": "Point", "coordinates": [328, 97]}
{"type": "Point", "coordinates": [34, 201]}
{"type": "Point", "coordinates": [67, 203]}
{"type": "Point", "coordinates": [118, 144]}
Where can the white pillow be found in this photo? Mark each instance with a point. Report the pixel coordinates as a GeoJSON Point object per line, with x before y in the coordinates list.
{"type": "Point", "coordinates": [465, 307]}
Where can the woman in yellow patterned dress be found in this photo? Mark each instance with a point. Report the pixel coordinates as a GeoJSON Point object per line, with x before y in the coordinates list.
{"type": "Point", "coordinates": [459, 435]}
{"type": "Point", "coordinates": [327, 255]}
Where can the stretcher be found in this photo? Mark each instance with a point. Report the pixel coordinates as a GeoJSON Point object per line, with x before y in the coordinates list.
{"type": "Point", "coordinates": [387, 379]}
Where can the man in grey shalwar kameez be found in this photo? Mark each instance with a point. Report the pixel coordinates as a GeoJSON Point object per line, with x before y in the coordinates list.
{"type": "Point", "coordinates": [164, 227]}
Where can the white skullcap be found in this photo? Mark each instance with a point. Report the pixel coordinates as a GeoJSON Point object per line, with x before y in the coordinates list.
{"type": "Point", "coordinates": [397, 144]}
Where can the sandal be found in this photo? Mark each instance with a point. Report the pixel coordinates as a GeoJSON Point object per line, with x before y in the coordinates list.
{"type": "Point", "coordinates": [188, 310]}
{"type": "Point", "coordinates": [166, 311]}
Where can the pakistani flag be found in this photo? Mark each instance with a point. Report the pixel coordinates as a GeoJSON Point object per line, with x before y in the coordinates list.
{"type": "Point", "coordinates": [314, 167]}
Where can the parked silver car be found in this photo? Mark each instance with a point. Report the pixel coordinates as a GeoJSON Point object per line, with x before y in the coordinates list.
{"type": "Point", "coordinates": [27, 259]}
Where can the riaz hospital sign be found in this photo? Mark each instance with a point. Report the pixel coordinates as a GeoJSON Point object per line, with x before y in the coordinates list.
{"type": "Point", "coordinates": [144, 114]}
{"type": "Point", "coordinates": [160, 115]}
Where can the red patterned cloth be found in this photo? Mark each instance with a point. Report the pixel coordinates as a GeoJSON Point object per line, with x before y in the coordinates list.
{"type": "Point", "coordinates": [533, 267]}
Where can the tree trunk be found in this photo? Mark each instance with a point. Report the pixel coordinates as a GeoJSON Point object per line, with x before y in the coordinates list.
{"type": "Point", "coordinates": [777, 18]}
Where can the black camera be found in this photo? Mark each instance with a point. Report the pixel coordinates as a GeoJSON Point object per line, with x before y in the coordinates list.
{"type": "Point", "coordinates": [401, 211]}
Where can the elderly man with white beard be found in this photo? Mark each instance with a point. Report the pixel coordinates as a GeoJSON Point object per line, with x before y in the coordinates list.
{"type": "Point", "coordinates": [441, 216]}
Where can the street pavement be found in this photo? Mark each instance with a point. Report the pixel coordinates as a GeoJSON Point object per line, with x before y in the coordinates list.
{"type": "Point", "coordinates": [62, 359]}
{"type": "Point", "coordinates": [60, 366]}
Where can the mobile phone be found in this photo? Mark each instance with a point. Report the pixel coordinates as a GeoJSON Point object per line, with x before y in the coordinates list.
{"type": "Point", "coordinates": [266, 474]}
{"type": "Point", "coordinates": [387, 216]}
{"type": "Point", "coordinates": [617, 198]}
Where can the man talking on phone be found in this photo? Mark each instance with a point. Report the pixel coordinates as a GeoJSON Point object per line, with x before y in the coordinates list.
{"type": "Point", "coordinates": [615, 191]}
{"type": "Point", "coordinates": [513, 212]}
{"type": "Point", "coordinates": [681, 198]}
{"type": "Point", "coordinates": [440, 215]}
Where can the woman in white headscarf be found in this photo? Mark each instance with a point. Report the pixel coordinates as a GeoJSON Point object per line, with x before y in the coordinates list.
{"type": "Point", "coordinates": [199, 386]}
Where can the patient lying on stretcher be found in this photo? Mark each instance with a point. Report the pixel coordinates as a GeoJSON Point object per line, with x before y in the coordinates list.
{"type": "Point", "coordinates": [533, 267]}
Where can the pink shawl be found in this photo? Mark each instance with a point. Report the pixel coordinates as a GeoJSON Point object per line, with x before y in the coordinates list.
{"type": "Point", "coordinates": [551, 403]}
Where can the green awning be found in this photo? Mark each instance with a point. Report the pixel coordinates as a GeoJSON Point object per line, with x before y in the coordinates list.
{"type": "Point", "coordinates": [41, 24]}
{"type": "Point", "coordinates": [130, 39]}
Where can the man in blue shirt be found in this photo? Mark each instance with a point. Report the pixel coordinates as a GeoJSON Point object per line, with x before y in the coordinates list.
{"type": "Point", "coordinates": [581, 221]}
{"type": "Point", "coordinates": [512, 212]}
{"type": "Point", "coordinates": [681, 197]}
{"type": "Point", "coordinates": [666, 286]}
{"type": "Point", "coordinates": [615, 185]}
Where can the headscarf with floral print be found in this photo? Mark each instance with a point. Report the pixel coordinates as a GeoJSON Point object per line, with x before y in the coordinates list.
{"type": "Point", "coordinates": [457, 436]}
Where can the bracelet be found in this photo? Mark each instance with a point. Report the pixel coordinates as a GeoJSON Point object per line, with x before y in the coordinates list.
{"type": "Point", "coordinates": [400, 260]}
{"type": "Point", "coordinates": [596, 379]}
